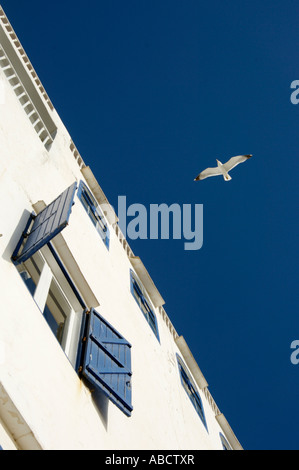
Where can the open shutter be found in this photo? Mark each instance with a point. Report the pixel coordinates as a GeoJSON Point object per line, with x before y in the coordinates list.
{"type": "Point", "coordinates": [47, 224]}
{"type": "Point", "coordinates": [107, 361]}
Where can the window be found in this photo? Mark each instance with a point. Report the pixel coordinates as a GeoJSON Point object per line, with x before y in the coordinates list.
{"type": "Point", "coordinates": [144, 304]}
{"type": "Point", "coordinates": [191, 390]}
{"type": "Point", "coordinates": [95, 349]}
{"type": "Point", "coordinates": [95, 214]}
{"type": "Point", "coordinates": [224, 443]}
{"type": "Point", "coordinates": [106, 360]}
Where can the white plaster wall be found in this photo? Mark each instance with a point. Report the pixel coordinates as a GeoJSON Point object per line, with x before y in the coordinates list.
{"type": "Point", "coordinates": [37, 375]}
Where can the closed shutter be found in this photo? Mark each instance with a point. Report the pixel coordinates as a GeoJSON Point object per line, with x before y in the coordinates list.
{"type": "Point", "coordinates": [47, 224]}
{"type": "Point", "coordinates": [107, 361]}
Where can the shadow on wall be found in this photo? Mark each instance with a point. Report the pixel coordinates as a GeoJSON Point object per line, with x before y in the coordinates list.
{"type": "Point", "coordinates": [101, 402]}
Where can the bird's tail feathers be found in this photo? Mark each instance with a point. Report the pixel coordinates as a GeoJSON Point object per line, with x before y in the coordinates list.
{"type": "Point", "coordinates": [227, 177]}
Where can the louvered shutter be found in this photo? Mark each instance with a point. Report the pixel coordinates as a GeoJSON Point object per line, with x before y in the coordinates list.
{"type": "Point", "coordinates": [107, 362]}
{"type": "Point", "coordinates": [48, 223]}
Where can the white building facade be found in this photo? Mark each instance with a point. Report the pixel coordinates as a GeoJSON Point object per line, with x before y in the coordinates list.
{"type": "Point", "coordinates": [89, 359]}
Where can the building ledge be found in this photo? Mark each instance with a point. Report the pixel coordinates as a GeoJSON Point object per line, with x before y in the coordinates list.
{"type": "Point", "coordinates": [13, 43]}
{"type": "Point", "coordinates": [25, 83]}
{"type": "Point", "coordinates": [203, 385]}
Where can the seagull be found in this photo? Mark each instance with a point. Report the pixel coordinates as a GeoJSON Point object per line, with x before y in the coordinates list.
{"type": "Point", "coordinates": [223, 168]}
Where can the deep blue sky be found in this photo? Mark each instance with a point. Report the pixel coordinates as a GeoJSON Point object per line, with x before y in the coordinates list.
{"type": "Point", "coordinates": [152, 92]}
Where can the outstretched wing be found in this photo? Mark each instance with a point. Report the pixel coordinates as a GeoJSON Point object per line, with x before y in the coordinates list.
{"type": "Point", "coordinates": [234, 161]}
{"type": "Point", "coordinates": [207, 173]}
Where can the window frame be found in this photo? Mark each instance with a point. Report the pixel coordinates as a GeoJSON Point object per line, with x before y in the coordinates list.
{"type": "Point", "coordinates": [40, 229]}
{"type": "Point", "coordinates": [191, 390]}
{"type": "Point", "coordinates": [144, 303]}
{"type": "Point", "coordinates": [105, 360]}
{"type": "Point", "coordinates": [93, 210]}
{"type": "Point", "coordinates": [52, 272]}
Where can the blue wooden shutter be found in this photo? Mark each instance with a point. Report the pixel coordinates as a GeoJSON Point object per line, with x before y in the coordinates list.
{"type": "Point", "coordinates": [107, 362]}
{"type": "Point", "coordinates": [48, 223]}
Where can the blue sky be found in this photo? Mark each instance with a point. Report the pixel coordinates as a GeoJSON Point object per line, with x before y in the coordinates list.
{"type": "Point", "coordinates": [152, 92]}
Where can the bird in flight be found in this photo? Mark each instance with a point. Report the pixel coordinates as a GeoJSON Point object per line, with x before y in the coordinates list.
{"type": "Point", "coordinates": [223, 168]}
